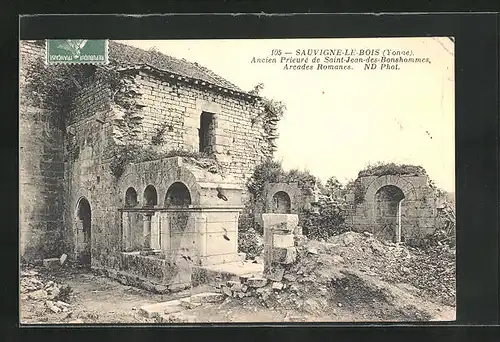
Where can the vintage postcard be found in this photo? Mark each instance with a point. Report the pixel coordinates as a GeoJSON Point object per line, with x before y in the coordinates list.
{"type": "Point", "coordinates": [216, 181]}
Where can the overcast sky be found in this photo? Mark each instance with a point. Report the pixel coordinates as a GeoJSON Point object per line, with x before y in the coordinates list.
{"type": "Point", "coordinates": [336, 121]}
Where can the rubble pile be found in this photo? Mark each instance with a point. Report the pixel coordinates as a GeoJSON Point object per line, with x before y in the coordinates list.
{"type": "Point", "coordinates": [53, 296]}
{"type": "Point", "coordinates": [312, 281]}
{"type": "Point", "coordinates": [431, 270]}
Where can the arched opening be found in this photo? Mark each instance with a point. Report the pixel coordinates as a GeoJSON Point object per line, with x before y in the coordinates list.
{"type": "Point", "coordinates": [388, 201]}
{"type": "Point", "coordinates": [281, 203]}
{"type": "Point", "coordinates": [131, 198]}
{"type": "Point", "coordinates": [150, 196]}
{"type": "Point", "coordinates": [177, 195]}
{"type": "Point", "coordinates": [83, 231]}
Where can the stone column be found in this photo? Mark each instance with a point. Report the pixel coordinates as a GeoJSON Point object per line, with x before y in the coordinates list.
{"type": "Point", "coordinates": [398, 224]}
{"type": "Point", "coordinates": [268, 247]}
{"type": "Point", "coordinates": [146, 231]}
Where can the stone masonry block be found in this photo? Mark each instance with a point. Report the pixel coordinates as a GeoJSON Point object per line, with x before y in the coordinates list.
{"type": "Point", "coordinates": [284, 256]}
{"type": "Point", "coordinates": [222, 140]}
{"type": "Point", "coordinates": [288, 222]}
{"type": "Point", "coordinates": [283, 241]}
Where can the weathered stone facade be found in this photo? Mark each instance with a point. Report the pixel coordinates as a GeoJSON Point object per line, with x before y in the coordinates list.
{"type": "Point", "coordinates": [284, 198]}
{"type": "Point", "coordinates": [394, 207]}
{"type": "Point", "coordinates": [62, 167]}
{"type": "Point", "coordinates": [41, 169]}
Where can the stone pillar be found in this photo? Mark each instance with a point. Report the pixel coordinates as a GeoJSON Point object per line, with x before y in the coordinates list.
{"type": "Point", "coordinates": [268, 247]}
{"type": "Point", "coordinates": [279, 245]}
{"type": "Point", "coordinates": [398, 224]}
{"type": "Point", "coordinates": [146, 231]}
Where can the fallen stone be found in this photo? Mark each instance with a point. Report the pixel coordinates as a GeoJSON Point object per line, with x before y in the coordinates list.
{"type": "Point", "coordinates": [227, 291]}
{"type": "Point", "coordinates": [207, 297]}
{"type": "Point", "coordinates": [244, 288]}
{"type": "Point", "coordinates": [277, 285]}
{"type": "Point", "coordinates": [236, 287]}
{"type": "Point", "coordinates": [172, 309]}
{"type": "Point", "coordinates": [152, 310]}
{"type": "Point", "coordinates": [52, 306]}
{"type": "Point", "coordinates": [51, 263]}
{"type": "Point", "coordinates": [367, 234]}
{"type": "Point", "coordinates": [312, 250]}
{"type": "Point", "coordinates": [256, 282]}
{"type": "Point", "coordinates": [61, 303]}
{"type": "Point", "coordinates": [63, 258]}
{"type": "Point", "coordinates": [188, 304]}
{"type": "Point", "coordinates": [76, 321]}
{"type": "Point", "coordinates": [276, 273]}
{"type": "Point", "coordinates": [38, 295]}
{"type": "Point", "coordinates": [231, 283]}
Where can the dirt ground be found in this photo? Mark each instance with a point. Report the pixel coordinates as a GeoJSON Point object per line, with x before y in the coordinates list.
{"type": "Point", "coordinates": [352, 278]}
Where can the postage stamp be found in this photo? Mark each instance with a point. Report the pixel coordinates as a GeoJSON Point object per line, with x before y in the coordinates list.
{"type": "Point", "coordinates": [77, 51]}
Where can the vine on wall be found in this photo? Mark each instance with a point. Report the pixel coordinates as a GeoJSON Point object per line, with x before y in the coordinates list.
{"type": "Point", "coordinates": [53, 87]}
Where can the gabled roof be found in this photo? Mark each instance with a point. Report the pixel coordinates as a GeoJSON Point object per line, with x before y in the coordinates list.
{"type": "Point", "coordinates": [127, 55]}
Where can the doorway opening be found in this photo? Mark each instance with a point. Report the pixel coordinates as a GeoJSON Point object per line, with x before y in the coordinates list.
{"type": "Point", "coordinates": [388, 205]}
{"type": "Point", "coordinates": [84, 237]}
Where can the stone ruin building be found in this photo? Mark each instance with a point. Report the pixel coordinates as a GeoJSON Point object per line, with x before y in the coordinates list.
{"type": "Point", "coordinates": [149, 220]}
{"type": "Point", "coordinates": [285, 198]}
{"type": "Point", "coordinates": [395, 207]}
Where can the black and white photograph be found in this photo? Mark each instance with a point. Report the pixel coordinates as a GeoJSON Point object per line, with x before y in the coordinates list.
{"type": "Point", "coordinates": [237, 180]}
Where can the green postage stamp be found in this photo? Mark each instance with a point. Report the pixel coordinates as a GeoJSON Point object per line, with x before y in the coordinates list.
{"type": "Point", "coordinates": [77, 51]}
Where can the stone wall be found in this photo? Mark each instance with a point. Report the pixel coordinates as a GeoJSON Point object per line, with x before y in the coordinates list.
{"type": "Point", "coordinates": [41, 168]}
{"type": "Point", "coordinates": [240, 142]}
{"type": "Point", "coordinates": [418, 209]}
{"type": "Point", "coordinates": [88, 145]}
{"type": "Point", "coordinates": [60, 166]}
{"type": "Point", "coordinates": [93, 131]}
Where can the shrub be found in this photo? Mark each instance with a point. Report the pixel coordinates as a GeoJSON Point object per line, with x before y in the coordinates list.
{"type": "Point", "coordinates": [381, 169]}
{"type": "Point", "coordinates": [327, 220]}
{"type": "Point", "coordinates": [249, 240]}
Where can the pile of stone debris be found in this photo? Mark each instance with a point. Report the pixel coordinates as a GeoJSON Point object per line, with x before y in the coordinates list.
{"type": "Point", "coordinates": [53, 296]}
{"type": "Point", "coordinates": [430, 272]}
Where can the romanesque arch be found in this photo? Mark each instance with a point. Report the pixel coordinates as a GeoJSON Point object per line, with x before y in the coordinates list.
{"type": "Point", "coordinates": [131, 198]}
{"type": "Point", "coordinates": [150, 196]}
{"type": "Point", "coordinates": [83, 223]}
{"type": "Point", "coordinates": [177, 195]}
